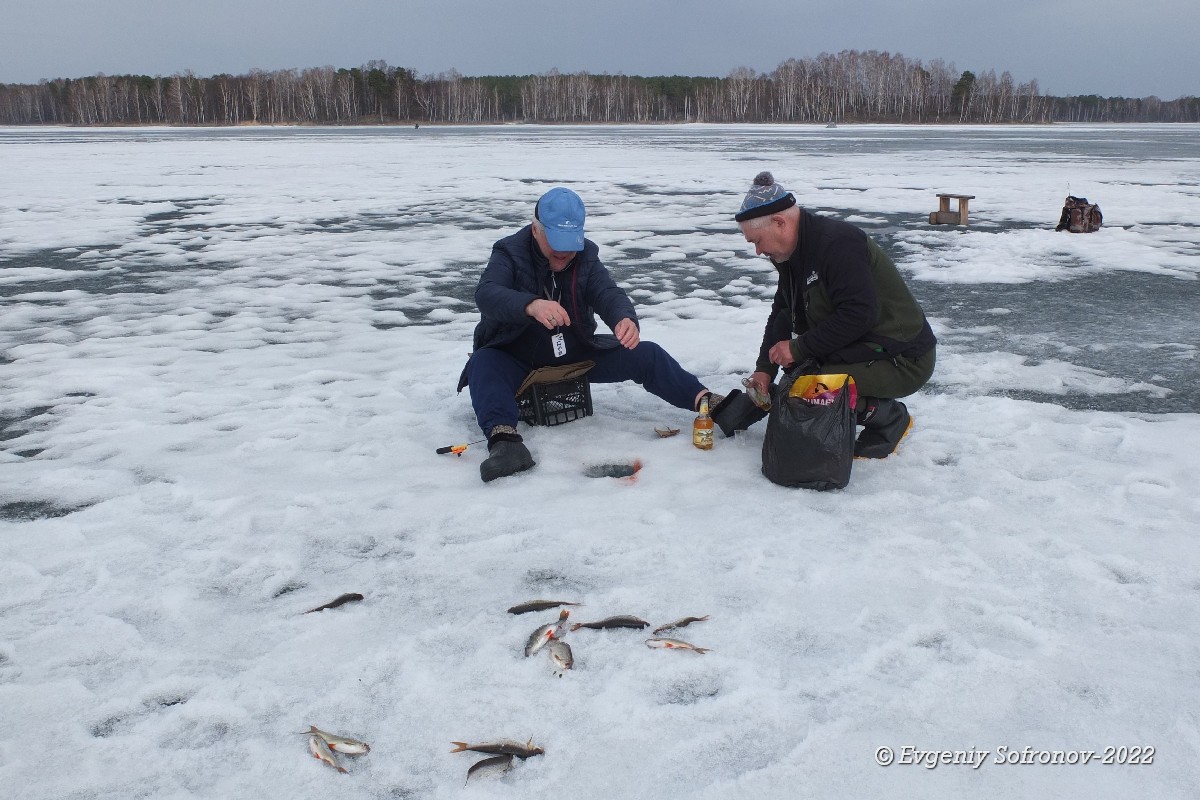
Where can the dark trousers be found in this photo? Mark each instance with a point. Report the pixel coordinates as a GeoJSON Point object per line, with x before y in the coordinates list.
{"type": "Point", "coordinates": [494, 375]}
{"type": "Point", "coordinates": [885, 378]}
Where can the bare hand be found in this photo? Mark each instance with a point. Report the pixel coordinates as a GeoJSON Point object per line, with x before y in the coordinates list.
{"type": "Point", "coordinates": [762, 382]}
{"type": "Point", "coordinates": [781, 354]}
{"type": "Point", "coordinates": [627, 333]}
{"type": "Point", "coordinates": [549, 313]}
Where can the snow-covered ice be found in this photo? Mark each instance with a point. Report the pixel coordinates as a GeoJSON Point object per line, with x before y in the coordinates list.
{"type": "Point", "coordinates": [227, 358]}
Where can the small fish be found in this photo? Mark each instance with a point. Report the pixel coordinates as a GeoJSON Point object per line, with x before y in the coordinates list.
{"type": "Point", "coordinates": [561, 655]}
{"type": "Point", "coordinates": [675, 644]}
{"type": "Point", "coordinates": [537, 640]}
{"type": "Point", "coordinates": [321, 752]}
{"type": "Point", "coordinates": [679, 623]}
{"type": "Point", "coordinates": [539, 605]}
{"type": "Point", "coordinates": [503, 747]}
{"type": "Point", "coordinates": [352, 597]}
{"type": "Point", "coordinates": [340, 744]}
{"type": "Point", "coordinates": [613, 622]}
{"type": "Point", "coordinates": [613, 470]}
{"type": "Point", "coordinates": [665, 433]}
{"type": "Point", "coordinates": [496, 765]}
{"type": "Point", "coordinates": [560, 629]}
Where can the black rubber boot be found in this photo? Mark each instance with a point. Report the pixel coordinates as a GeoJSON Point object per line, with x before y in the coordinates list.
{"type": "Point", "coordinates": [508, 455]}
{"type": "Point", "coordinates": [885, 422]}
{"type": "Point", "coordinates": [736, 412]}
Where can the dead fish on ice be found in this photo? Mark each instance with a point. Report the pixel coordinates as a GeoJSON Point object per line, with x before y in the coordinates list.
{"type": "Point", "coordinates": [505, 751]}
{"type": "Point", "coordinates": [539, 605]}
{"type": "Point", "coordinates": [674, 644]}
{"type": "Point", "coordinates": [624, 621]}
{"type": "Point", "coordinates": [613, 470]}
{"type": "Point", "coordinates": [351, 597]}
{"type": "Point", "coordinates": [679, 623]}
{"type": "Point", "coordinates": [537, 639]}
{"type": "Point", "coordinates": [502, 747]}
{"type": "Point", "coordinates": [496, 765]}
{"type": "Point", "coordinates": [321, 752]}
{"type": "Point", "coordinates": [561, 655]}
{"type": "Point", "coordinates": [340, 744]}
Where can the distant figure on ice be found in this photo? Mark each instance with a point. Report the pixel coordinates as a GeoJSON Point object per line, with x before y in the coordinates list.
{"type": "Point", "coordinates": [538, 298]}
{"type": "Point", "coordinates": [841, 307]}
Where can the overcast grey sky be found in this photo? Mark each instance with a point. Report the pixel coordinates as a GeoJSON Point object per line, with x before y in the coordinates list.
{"type": "Point", "coordinates": [1130, 48]}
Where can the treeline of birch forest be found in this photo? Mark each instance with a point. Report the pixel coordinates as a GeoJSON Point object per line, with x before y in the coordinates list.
{"type": "Point", "coordinates": [851, 86]}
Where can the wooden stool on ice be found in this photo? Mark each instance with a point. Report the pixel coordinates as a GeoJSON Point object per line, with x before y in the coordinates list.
{"type": "Point", "coordinates": [944, 216]}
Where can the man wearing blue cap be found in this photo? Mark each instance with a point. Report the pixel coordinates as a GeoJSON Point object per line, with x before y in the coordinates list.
{"type": "Point", "coordinates": [841, 306]}
{"type": "Point", "coordinates": [538, 299]}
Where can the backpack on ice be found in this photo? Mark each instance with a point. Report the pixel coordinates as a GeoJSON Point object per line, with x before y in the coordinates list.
{"type": "Point", "coordinates": [1080, 216]}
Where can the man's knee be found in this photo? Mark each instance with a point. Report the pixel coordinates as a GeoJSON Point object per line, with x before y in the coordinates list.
{"type": "Point", "coordinates": [650, 360]}
{"type": "Point", "coordinates": [489, 365]}
{"type": "Point", "coordinates": [650, 352]}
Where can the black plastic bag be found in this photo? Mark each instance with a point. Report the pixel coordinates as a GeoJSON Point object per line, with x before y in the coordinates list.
{"type": "Point", "coordinates": [810, 432]}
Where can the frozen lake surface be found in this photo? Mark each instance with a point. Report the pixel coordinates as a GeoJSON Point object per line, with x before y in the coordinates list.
{"type": "Point", "coordinates": [227, 356]}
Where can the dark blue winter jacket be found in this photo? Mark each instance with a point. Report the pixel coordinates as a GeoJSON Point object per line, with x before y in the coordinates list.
{"type": "Point", "coordinates": [517, 274]}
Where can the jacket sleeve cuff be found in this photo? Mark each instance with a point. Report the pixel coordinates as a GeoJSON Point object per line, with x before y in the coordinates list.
{"type": "Point", "coordinates": [526, 301]}
{"type": "Point", "coordinates": [799, 351]}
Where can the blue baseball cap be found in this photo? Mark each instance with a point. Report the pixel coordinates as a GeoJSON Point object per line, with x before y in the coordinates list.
{"type": "Point", "coordinates": [561, 213]}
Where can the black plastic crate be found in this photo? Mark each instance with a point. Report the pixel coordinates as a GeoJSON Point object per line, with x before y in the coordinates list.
{"type": "Point", "coordinates": [555, 403]}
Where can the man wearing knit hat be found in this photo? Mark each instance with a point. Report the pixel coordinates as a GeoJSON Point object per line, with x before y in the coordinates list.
{"type": "Point", "coordinates": [538, 299]}
{"type": "Point", "coordinates": [841, 306]}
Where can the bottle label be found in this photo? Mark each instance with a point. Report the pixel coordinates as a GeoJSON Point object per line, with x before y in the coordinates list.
{"type": "Point", "coordinates": [702, 438]}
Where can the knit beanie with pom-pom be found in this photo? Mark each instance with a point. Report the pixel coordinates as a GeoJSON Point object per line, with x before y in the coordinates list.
{"type": "Point", "coordinates": [765, 197]}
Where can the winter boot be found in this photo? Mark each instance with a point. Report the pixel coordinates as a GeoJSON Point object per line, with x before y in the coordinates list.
{"type": "Point", "coordinates": [508, 454]}
{"type": "Point", "coordinates": [885, 422]}
{"type": "Point", "coordinates": [735, 412]}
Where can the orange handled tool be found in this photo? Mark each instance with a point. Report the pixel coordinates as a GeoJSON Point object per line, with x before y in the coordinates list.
{"type": "Point", "coordinates": [457, 449]}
